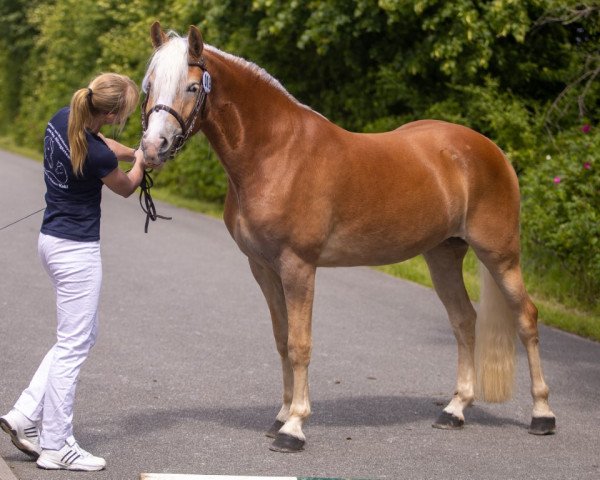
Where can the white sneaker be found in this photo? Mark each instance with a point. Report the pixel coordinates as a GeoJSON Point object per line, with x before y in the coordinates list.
{"type": "Point", "coordinates": [24, 433]}
{"type": "Point", "coordinates": [70, 457]}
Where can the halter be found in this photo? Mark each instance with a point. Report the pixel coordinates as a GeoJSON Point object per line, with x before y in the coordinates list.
{"type": "Point", "coordinates": [186, 126]}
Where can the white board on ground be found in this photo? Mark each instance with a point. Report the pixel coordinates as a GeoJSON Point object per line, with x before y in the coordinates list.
{"type": "Point", "coordinates": [174, 476]}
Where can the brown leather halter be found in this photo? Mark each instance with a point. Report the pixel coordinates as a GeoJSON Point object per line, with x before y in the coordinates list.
{"type": "Point", "coordinates": [186, 126]}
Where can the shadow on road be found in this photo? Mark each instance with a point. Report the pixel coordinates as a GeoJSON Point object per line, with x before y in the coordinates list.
{"type": "Point", "coordinates": [346, 412]}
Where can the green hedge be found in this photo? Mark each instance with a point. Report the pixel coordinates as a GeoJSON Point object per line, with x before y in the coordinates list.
{"type": "Point", "coordinates": [561, 213]}
{"type": "Point", "coordinates": [523, 73]}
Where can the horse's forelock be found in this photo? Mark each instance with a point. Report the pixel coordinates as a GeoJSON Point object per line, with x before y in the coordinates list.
{"type": "Point", "coordinates": [169, 67]}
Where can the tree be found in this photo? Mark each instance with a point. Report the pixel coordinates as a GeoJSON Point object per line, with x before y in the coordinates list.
{"type": "Point", "coordinates": [16, 44]}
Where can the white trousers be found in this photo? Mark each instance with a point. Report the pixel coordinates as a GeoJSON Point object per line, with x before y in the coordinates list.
{"type": "Point", "coordinates": [75, 269]}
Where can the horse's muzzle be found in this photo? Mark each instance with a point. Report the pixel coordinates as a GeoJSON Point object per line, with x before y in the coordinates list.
{"type": "Point", "coordinates": [156, 152]}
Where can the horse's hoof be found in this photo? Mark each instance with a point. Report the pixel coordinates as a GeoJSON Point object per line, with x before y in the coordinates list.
{"type": "Point", "coordinates": [542, 426]}
{"type": "Point", "coordinates": [447, 421]}
{"type": "Point", "coordinates": [274, 430]}
{"type": "Point", "coordinates": [287, 444]}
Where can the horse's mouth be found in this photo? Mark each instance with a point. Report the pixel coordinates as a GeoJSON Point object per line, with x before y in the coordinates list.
{"type": "Point", "coordinates": [155, 160]}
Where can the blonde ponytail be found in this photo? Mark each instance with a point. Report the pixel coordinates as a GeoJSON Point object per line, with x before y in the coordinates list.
{"type": "Point", "coordinates": [108, 93]}
{"type": "Point", "coordinates": [79, 117]}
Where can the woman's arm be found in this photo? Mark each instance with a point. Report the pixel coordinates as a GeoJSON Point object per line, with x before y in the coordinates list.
{"type": "Point", "coordinates": [123, 153]}
{"type": "Point", "coordinates": [123, 183]}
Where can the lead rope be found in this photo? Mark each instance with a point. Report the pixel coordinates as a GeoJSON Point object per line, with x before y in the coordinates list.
{"type": "Point", "coordinates": [21, 219]}
{"type": "Point", "coordinates": [146, 201]}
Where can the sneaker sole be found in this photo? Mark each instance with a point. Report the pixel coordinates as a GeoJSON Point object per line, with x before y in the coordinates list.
{"type": "Point", "coordinates": [15, 439]}
{"type": "Point", "coordinates": [63, 466]}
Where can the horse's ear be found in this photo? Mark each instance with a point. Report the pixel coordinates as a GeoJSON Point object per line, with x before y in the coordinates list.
{"type": "Point", "coordinates": [158, 36]}
{"type": "Point", "coordinates": [195, 42]}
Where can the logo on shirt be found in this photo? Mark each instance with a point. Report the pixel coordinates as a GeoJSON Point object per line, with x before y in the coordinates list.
{"type": "Point", "coordinates": [55, 170]}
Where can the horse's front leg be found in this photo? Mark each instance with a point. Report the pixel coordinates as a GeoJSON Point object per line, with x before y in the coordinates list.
{"type": "Point", "coordinates": [298, 281]}
{"type": "Point", "coordinates": [270, 284]}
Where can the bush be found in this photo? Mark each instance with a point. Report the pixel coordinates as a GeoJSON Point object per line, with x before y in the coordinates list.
{"type": "Point", "coordinates": [561, 218]}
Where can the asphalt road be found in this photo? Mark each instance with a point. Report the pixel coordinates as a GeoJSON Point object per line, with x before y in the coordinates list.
{"type": "Point", "coordinates": [185, 377]}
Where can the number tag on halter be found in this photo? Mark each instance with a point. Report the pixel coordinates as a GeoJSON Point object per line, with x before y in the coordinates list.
{"type": "Point", "coordinates": [206, 82]}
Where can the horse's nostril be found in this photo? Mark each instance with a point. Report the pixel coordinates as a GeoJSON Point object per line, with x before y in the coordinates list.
{"type": "Point", "coordinates": [164, 143]}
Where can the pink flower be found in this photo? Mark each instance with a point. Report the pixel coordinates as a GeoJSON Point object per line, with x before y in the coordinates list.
{"type": "Point", "coordinates": [587, 165]}
{"type": "Point", "coordinates": [586, 128]}
{"type": "Point", "coordinates": [557, 180]}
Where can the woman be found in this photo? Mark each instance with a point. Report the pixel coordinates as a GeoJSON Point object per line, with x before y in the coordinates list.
{"type": "Point", "coordinates": [78, 161]}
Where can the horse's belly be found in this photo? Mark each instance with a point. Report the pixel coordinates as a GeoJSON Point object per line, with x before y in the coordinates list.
{"type": "Point", "coordinates": [379, 248]}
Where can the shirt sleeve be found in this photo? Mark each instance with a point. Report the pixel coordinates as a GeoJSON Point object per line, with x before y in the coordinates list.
{"type": "Point", "coordinates": [102, 159]}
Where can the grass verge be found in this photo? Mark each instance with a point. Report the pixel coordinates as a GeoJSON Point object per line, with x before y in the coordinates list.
{"type": "Point", "coordinates": [208, 208]}
{"type": "Point", "coordinates": [8, 144]}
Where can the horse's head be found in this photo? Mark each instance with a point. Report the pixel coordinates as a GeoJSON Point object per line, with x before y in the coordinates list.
{"type": "Point", "coordinates": [176, 85]}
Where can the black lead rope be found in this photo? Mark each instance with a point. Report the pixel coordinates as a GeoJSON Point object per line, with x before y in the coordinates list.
{"type": "Point", "coordinates": [146, 201]}
{"type": "Point", "coordinates": [21, 219]}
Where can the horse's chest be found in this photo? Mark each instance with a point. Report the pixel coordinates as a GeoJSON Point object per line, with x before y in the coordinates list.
{"type": "Point", "coordinates": [244, 235]}
{"type": "Point", "coordinates": [250, 239]}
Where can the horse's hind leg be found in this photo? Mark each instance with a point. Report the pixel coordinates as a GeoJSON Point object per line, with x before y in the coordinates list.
{"type": "Point", "coordinates": [445, 265]}
{"type": "Point", "coordinates": [506, 272]}
{"type": "Point", "coordinates": [270, 284]}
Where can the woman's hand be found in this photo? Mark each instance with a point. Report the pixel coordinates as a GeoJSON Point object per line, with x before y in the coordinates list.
{"type": "Point", "coordinates": [138, 156]}
{"type": "Point", "coordinates": [123, 183]}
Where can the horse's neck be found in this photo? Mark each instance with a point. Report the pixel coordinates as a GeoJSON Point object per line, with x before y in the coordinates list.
{"type": "Point", "coordinates": [246, 116]}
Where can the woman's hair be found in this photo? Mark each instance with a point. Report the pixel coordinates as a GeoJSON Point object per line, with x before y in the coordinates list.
{"type": "Point", "coordinates": [107, 93]}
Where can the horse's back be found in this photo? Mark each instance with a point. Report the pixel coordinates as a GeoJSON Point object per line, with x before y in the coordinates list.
{"type": "Point", "coordinates": [455, 158]}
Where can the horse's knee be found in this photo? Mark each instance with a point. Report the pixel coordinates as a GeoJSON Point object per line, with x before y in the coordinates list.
{"type": "Point", "coordinates": [299, 353]}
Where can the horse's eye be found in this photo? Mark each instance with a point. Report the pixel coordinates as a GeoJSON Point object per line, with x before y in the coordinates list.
{"type": "Point", "coordinates": [193, 88]}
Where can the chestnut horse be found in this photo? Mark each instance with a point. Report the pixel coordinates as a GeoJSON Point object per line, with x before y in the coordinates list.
{"type": "Point", "coordinates": [304, 193]}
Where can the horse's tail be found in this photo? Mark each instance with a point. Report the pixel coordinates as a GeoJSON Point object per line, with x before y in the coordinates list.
{"type": "Point", "coordinates": [495, 334]}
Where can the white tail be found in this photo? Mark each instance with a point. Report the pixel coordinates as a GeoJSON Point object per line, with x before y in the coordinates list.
{"type": "Point", "coordinates": [495, 334]}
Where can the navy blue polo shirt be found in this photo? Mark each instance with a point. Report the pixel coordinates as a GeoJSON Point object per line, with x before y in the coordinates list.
{"type": "Point", "coordinates": [73, 202]}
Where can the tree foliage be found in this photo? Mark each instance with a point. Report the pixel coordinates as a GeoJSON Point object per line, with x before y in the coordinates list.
{"type": "Point", "coordinates": [523, 72]}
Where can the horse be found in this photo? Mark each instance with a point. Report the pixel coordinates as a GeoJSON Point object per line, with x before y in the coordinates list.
{"type": "Point", "coordinates": [305, 193]}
